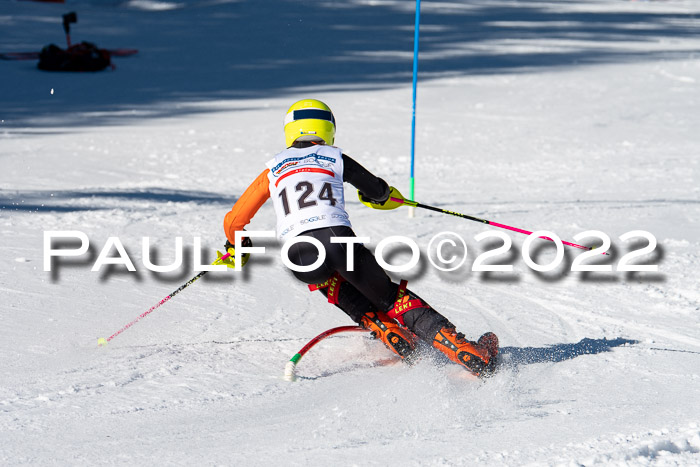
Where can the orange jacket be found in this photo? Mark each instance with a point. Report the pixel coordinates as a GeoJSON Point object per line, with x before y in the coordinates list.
{"type": "Point", "coordinates": [247, 205]}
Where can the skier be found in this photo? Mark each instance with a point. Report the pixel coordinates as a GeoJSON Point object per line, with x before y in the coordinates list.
{"type": "Point", "coordinates": [305, 182]}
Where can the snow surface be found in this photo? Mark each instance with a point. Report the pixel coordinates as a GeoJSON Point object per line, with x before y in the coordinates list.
{"type": "Point", "coordinates": [563, 116]}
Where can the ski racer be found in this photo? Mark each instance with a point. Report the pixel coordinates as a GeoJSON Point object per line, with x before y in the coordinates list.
{"type": "Point", "coordinates": [305, 182]}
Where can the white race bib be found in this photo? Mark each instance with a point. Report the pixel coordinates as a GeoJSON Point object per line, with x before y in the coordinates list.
{"type": "Point", "coordinates": [306, 187]}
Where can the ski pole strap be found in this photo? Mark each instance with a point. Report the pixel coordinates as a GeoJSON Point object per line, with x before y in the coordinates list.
{"type": "Point", "coordinates": [333, 286]}
{"type": "Point", "coordinates": [315, 287]}
{"type": "Point", "coordinates": [404, 303]}
{"type": "Point", "coordinates": [402, 289]}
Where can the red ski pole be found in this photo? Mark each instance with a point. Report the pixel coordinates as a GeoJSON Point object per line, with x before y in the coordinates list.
{"type": "Point", "coordinates": [408, 202]}
{"type": "Point", "coordinates": [102, 341]}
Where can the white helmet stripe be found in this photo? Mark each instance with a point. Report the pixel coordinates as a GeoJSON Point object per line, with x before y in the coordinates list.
{"type": "Point", "coordinates": [289, 118]}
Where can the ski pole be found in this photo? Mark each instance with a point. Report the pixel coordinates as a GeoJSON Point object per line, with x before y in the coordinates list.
{"type": "Point", "coordinates": [68, 18]}
{"type": "Point", "coordinates": [409, 202]}
{"type": "Point", "coordinates": [102, 341]}
{"type": "Point", "coordinates": [290, 368]}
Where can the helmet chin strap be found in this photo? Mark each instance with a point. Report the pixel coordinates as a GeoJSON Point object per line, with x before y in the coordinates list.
{"type": "Point", "coordinates": [306, 144]}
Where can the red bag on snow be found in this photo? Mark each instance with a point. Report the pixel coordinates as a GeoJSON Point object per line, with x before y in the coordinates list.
{"type": "Point", "coordinates": [80, 57]}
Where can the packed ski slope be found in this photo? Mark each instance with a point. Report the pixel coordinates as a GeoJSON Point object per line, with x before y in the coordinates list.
{"type": "Point", "coordinates": [562, 116]}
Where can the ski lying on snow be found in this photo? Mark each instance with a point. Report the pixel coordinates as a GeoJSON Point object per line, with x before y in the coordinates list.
{"type": "Point", "coordinates": [35, 55]}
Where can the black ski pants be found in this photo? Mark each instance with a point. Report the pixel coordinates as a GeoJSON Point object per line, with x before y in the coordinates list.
{"type": "Point", "coordinates": [367, 287]}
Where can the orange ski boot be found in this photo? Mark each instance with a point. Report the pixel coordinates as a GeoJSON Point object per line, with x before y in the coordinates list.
{"type": "Point", "coordinates": [398, 339]}
{"type": "Point", "coordinates": [478, 357]}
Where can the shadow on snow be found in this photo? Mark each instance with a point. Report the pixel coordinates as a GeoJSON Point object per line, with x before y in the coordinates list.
{"type": "Point", "coordinates": [74, 200]}
{"type": "Point", "coordinates": [206, 51]}
{"type": "Point", "coordinates": [511, 357]}
{"type": "Point", "coordinates": [518, 356]}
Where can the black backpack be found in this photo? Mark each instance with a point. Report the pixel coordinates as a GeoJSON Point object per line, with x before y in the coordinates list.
{"type": "Point", "coordinates": [80, 57]}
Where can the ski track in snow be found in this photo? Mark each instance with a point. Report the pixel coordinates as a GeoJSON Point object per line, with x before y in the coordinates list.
{"type": "Point", "coordinates": [567, 117]}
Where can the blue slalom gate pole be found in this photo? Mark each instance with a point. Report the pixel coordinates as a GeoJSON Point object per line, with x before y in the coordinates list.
{"type": "Point", "coordinates": [413, 121]}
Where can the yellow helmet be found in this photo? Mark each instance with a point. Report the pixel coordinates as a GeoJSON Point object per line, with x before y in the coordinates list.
{"type": "Point", "coordinates": [309, 120]}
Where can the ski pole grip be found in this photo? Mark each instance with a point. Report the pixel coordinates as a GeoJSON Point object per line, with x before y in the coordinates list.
{"type": "Point", "coordinates": [68, 18]}
{"type": "Point", "coordinates": [405, 201]}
